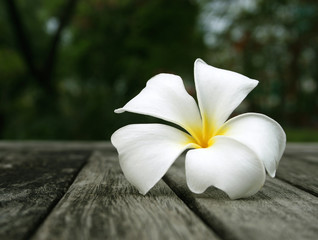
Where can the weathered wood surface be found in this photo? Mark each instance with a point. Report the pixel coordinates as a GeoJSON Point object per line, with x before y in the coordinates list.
{"type": "Point", "coordinates": [302, 147]}
{"type": "Point", "coordinates": [31, 183]}
{"type": "Point", "coordinates": [300, 171]}
{"type": "Point", "coordinates": [278, 211]}
{"type": "Point", "coordinates": [55, 145]}
{"type": "Point", "coordinates": [101, 204]}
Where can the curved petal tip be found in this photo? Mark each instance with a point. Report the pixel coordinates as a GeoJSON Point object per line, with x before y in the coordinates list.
{"type": "Point", "coordinates": [119, 110]}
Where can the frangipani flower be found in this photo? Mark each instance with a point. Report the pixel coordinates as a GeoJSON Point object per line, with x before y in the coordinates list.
{"type": "Point", "coordinates": [230, 155]}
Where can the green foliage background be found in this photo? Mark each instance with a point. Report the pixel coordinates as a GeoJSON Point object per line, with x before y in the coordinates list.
{"type": "Point", "coordinates": [107, 50]}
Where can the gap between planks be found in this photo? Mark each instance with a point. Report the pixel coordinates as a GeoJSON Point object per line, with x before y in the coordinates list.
{"type": "Point", "coordinates": [300, 171]}
{"type": "Point", "coordinates": [101, 204]}
{"type": "Point", "coordinates": [56, 201]}
{"type": "Point", "coordinates": [32, 182]}
{"type": "Point", "coordinates": [278, 211]}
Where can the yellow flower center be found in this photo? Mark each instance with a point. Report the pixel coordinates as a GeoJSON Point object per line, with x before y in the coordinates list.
{"type": "Point", "coordinates": [204, 137]}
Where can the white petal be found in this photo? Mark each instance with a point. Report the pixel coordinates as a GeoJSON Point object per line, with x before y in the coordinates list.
{"type": "Point", "coordinates": [165, 97]}
{"type": "Point", "coordinates": [219, 92]}
{"type": "Point", "coordinates": [260, 133]}
{"type": "Point", "coordinates": [228, 165]}
{"type": "Point", "coordinates": [146, 151]}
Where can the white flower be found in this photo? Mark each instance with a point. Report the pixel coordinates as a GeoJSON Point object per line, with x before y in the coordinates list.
{"type": "Point", "coordinates": [230, 155]}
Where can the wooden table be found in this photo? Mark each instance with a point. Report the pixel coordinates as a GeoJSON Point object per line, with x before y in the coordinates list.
{"type": "Point", "coordinates": [69, 190]}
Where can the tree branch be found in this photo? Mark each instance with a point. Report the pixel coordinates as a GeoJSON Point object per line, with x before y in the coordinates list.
{"type": "Point", "coordinates": [44, 74]}
{"type": "Point", "coordinates": [21, 37]}
{"type": "Point", "coordinates": [52, 53]}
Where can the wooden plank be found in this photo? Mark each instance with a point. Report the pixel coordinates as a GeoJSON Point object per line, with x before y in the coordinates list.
{"type": "Point", "coordinates": [303, 156]}
{"type": "Point", "coordinates": [3, 153]}
{"type": "Point", "coordinates": [302, 148]}
{"type": "Point", "coordinates": [56, 145]}
{"type": "Point", "coordinates": [101, 204]}
{"type": "Point", "coordinates": [31, 183]}
{"type": "Point", "coordinates": [300, 172]}
{"type": "Point", "coordinates": [102, 145]}
{"type": "Point", "coordinates": [279, 211]}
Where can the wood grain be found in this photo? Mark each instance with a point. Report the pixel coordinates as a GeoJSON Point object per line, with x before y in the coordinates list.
{"type": "Point", "coordinates": [300, 171]}
{"type": "Point", "coordinates": [101, 204]}
{"type": "Point", "coordinates": [55, 145]}
{"type": "Point", "coordinates": [279, 211]}
{"type": "Point", "coordinates": [39, 198]}
{"type": "Point", "coordinates": [301, 148]}
{"type": "Point", "coordinates": [304, 156]}
{"type": "Point", "coordinates": [31, 182]}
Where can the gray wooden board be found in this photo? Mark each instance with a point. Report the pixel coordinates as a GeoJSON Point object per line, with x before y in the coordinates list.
{"type": "Point", "coordinates": [279, 211]}
{"type": "Point", "coordinates": [101, 204]}
{"type": "Point", "coordinates": [305, 156]}
{"type": "Point", "coordinates": [31, 182]}
{"type": "Point", "coordinates": [55, 145]}
{"type": "Point", "coordinates": [299, 172]}
{"type": "Point", "coordinates": [3, 152]}
{"type": "Point", "coordinates": [311, 148]}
